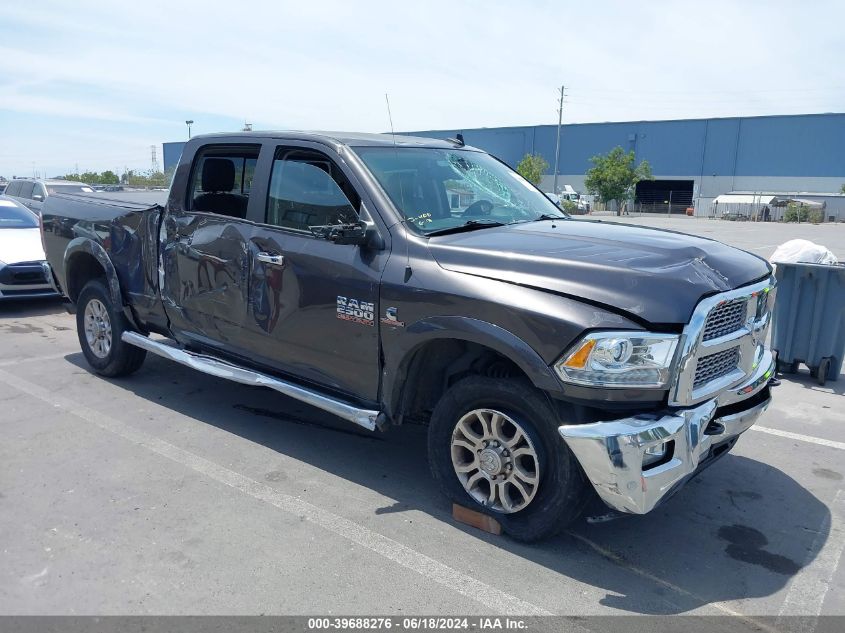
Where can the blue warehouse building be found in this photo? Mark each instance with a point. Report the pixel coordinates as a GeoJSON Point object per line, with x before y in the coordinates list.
{"type": "Point", "coordinates": [694, 159]}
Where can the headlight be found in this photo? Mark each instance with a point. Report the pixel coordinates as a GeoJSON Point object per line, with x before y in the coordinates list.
{"type": "Point", "coordinates": [620, 359]}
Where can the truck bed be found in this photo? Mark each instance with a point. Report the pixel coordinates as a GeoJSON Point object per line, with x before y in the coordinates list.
{"type": "Point", "coordinates": [126, 231]}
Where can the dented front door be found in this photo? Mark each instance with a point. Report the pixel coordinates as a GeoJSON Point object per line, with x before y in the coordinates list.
{"type": "Point", "coordinates": [315, 310]}
{"type": "Point", "coordinates": [313, 305]}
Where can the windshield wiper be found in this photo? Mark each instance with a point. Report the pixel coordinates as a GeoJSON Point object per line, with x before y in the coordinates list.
{"type": "Point", "coordinates": [548, 216]}
{"type": "Point", "coordinates": [469, 225]}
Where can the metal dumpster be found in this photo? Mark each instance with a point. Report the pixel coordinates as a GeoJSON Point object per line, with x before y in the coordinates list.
{"type": "Point", "coordinates": [809, 319]}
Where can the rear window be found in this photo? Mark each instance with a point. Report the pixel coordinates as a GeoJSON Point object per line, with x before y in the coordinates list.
{"type": "Point", "coordinates": [14, 217]}
{"type": "Point", "coordinates": [222, 179]}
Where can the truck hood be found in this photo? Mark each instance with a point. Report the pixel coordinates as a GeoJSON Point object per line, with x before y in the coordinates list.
{"type": "Point", "coordinates": [656, 275]}
{"type": "Point", "coordinates": [20, 245]}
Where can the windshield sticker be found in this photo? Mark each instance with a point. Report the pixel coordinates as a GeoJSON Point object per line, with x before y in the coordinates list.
{"type": "Point", "coordinates": [421, 220]}
{"type": "Point", "coordinates": [356, 311]}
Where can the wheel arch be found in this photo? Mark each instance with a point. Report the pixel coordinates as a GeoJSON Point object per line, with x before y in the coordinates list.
{"type": "Point", "coordinates": [437, 351]}
{"type": "Point", "coordinates": [84, 260]}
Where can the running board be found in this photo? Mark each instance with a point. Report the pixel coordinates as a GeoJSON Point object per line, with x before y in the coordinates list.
{"type": "Point", "coordinates": [222, 369]}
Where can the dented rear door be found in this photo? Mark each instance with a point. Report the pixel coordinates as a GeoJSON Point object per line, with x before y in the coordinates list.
{"type": "Point", "coordinates": [205, 251]}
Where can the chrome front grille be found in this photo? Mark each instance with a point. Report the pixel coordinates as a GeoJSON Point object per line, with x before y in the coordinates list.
{"type": "Point", "coordinates": [725, 318]}
{"type": "Point", "coordinates": [715, 366]}
{"type": "Point", "coordinates": [722, 343]}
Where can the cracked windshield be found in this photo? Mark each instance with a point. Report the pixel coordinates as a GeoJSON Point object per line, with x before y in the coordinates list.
{"type": "Point", "coordinates": [439, 190]}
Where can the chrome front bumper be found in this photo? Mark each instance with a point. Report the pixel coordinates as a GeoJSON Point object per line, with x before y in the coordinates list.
{"type": "Point", "coordinates": [611, 453]}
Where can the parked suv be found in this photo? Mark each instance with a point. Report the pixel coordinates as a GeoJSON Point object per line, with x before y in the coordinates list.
{"type": "Point", "coordinates": [32, 192]}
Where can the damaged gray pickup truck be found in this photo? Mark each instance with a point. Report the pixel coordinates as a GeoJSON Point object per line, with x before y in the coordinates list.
{"type": "Point", "coordinates": [397, 279]}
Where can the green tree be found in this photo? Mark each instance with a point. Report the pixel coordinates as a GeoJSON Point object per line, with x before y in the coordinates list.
{"type": "Point", "coordinates": [614, 176]}
{"type": "Point", "coordinates": [796, 212]}
{"type": "Point", "coordinates": [145, 179]}
{"type": "Point", "coordinates": [108, 177]}
{"type": "Point", "coordinates": [842, 190]}
{"type": "Point", "coordinates": [532, 167]}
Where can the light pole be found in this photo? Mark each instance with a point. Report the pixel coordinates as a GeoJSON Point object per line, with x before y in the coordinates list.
{"type": "Point", "coordinates": [557, 142]}
{"type": "Point", "coordinates": [189, 124]}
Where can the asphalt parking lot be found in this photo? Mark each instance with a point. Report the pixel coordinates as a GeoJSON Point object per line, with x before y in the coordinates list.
{"type": "Point", "coordinates": [173, 492]}
{"type": "Point", "coordinates": [761, 238]}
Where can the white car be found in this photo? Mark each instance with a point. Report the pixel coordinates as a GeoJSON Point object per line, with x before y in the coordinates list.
{"type": "Point", "coordinates": [24, 271]}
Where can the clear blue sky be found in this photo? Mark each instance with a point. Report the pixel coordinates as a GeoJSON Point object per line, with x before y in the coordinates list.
{"type": "Point", "coordinates": [95, 84]}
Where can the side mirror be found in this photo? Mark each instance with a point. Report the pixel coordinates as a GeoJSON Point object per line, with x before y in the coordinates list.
{"type": "Point", "coordinates": [38, 197]}
{"type": "Point", "coordinates": [350, 234]}
{"type": "Point", "coordinates": [342, 233]}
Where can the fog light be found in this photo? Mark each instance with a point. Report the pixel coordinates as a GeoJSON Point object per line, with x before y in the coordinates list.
{"type": "Point", "coordinates": [654, 454]}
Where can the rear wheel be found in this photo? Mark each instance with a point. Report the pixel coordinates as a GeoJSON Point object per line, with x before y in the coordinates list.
{"type": "Point", "coordinates": [493, 446]}
{"type": "Point", "coordinates": [100, 326]}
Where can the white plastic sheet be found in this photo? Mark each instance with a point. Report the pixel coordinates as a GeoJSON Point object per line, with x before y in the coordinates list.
{"type": "Point", "coordinates": [795, 251]}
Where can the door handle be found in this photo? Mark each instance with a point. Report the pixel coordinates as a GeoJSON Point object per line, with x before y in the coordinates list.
{"type": "Point", "coordinates": [269, 258]}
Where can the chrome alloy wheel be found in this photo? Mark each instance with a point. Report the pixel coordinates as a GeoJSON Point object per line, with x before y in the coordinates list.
{"type": "Point", "coordinates": [97, 328]}
{"type": "Point", "coordinates": [495, 460]}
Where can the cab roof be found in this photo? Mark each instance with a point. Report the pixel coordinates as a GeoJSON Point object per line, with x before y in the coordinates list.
{"type": "Point", "coordinates": [352, 139]}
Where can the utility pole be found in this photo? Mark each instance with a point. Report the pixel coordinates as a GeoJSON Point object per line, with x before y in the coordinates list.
{"type": "Point", "coordinates": [557, 143]}
{"type": "Point", "coordinates": [189, 123]}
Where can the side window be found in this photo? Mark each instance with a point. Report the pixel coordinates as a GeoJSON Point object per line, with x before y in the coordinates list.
{"type": "Point", "coordinates": [26, 189]}
{"type": "Point", "coordinates": [307, 189]}
{"type": "Point", "coordinates": [13, 188]}
{"type": "Point", "coordinates": [38, 190]}
{"type": "Point", "coordinates": [222, 180]}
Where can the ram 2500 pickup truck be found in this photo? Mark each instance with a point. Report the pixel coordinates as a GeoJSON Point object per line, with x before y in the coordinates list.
{"type": "Point", "coordinates": [398, 279]}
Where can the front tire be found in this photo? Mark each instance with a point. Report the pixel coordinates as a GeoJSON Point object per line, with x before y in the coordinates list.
{"type": "Point", "coordinates": [100, 325]}
{"type": "Point", "coordinates": [493, 446]}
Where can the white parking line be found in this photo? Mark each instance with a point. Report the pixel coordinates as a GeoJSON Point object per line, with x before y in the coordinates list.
{"type": "Point", "coordinates": [801, 438]}
{"type": "Point", "coordinates": [760, 247]}
{"type": "Point", "coordinates": [494, 599]}
{"type": "Point", "coordinates": [810, 586]}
